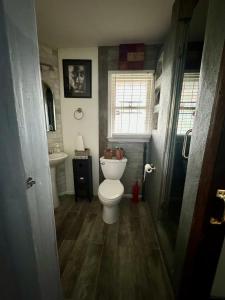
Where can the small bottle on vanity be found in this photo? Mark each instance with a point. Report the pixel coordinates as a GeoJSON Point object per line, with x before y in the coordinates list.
{"type": "Point", "coordinates": [57, 148]}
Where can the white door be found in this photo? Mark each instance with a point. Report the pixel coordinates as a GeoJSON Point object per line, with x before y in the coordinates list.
{"type": "Point", "coordinates": [21, 63]}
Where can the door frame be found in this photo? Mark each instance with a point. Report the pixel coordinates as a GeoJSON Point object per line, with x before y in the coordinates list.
{"type": "Point", "coordinates": [193, 269]}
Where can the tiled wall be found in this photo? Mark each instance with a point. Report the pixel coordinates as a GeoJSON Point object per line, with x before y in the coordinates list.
{"type": "Point", "coordinates": [50, 75]}
{"type": "Point", "coordinates": [108, 61]}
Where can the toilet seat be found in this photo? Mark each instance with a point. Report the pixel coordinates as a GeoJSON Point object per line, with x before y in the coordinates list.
{"type": "Point", "coordinates": [110, 190]}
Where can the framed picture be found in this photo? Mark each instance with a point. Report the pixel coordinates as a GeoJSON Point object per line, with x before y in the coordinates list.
{"type": "Point", "coordinates": [77, 78]}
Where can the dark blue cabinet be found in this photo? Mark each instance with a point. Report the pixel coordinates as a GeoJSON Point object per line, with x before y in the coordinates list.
{"type": "Point", "coordinates": [82, 175]}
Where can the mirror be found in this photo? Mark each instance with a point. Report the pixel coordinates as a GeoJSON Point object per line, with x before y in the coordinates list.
{"type": "Point", "coordinates": [49, 107]}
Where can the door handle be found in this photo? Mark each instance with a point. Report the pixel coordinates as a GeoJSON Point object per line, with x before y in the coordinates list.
{"type": "Point", "coordinates": [185, 144]}
{"type": "Point", "coordinates": [219, 194]}
{"type": "Point", "coordinates": [30, 182]}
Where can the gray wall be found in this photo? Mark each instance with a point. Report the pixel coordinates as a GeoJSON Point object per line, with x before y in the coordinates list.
{"type": "Point", "coordinates": [51, 77]}
{"type": "Point", "coordinates": [157, 146]}
{"type": "Point", "coordinates": [108, 61]}
{"type": "Point", "coordinates": [218, 289]}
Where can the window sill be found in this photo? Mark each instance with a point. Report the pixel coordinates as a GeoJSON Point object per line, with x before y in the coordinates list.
{"type": "Point", "coordinates": [129, 139]}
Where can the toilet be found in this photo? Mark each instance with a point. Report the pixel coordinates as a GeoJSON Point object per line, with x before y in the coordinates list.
{"type": "Point", "coordinates": [111, 189]}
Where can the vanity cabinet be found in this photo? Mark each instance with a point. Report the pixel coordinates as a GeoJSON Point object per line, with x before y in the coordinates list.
{"type": "Point", "coordinates": [82, 175]}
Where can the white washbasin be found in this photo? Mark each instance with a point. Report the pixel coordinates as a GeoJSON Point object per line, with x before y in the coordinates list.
{"type": "Point", "coordinates": [54, 160]}
{"type": "Point", "coordinates": [57, 158]}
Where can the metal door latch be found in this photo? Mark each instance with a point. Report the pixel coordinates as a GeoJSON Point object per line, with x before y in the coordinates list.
{"type": "Point", "coordinates": [219, 194]}
{"type": "Point", "coordinates": [30, 182]}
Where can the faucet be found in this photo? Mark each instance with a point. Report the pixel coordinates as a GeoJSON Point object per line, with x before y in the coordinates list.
{"type": "Point", "coordinates": [50, 150]}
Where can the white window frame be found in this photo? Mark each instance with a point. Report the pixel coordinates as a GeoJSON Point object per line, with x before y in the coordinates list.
{"type": "Point", "coordinates": [187, 73]}
{"type": "Point", "coordinates": [127, 137]}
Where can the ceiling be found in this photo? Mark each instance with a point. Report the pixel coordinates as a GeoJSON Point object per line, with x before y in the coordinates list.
{"type": "Point", "coordinates": [84, 23]}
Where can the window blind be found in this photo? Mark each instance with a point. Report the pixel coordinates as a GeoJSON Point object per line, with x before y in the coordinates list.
{"type": "Point", "coordinates": [131, 95]}
{"type": "Point", "coordinates": [188, 101]}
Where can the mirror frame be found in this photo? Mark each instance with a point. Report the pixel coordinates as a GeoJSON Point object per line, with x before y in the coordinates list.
{"type": "Point", "coordinates": [50, 116]}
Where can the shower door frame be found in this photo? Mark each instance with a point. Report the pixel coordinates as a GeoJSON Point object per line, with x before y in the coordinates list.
{"type": "Point", "coordinates": [169, 154]}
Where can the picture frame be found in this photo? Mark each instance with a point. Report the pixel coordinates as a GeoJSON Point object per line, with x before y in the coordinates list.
{"type": "Point", "coordinates": [77, 78]}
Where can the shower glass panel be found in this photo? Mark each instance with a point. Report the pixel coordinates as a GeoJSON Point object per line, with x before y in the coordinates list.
{"type": "Point", "coordinates": [183, 120]}
{"type": "Point", "coordinates": [171, 207]}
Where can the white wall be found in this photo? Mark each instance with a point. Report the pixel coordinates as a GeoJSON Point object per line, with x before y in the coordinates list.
{"type": "Point", "coordinates": [88, 126]}
{"type": "Point", "coordinates": [218, 289]}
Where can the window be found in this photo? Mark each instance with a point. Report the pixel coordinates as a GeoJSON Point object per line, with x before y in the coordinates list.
{"type": "Point", "coordinates": [188, 101]}
{"type": "Point", "coordinates": [130, 96]}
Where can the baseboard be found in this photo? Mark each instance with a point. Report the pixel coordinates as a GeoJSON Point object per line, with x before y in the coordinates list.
{"type": "Point", "coordinates": [129, 196]}
{"type": "Point", "coordinates": [69, 193]}
{"type": "Point", "coordinates": [66, 193]}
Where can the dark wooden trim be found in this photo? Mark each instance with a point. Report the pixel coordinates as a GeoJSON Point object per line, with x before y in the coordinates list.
{"type": "Point", "coordinates": [195, 274]}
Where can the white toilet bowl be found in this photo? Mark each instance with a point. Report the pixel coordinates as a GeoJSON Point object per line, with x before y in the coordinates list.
{"type": "Point", "coordinates": [110, 192]}
{"type": "Point", "coordinates": [111, 189]}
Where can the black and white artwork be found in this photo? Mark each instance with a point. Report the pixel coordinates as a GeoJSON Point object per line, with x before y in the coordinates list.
{"type": "Point", "coordinates": [77, 78]}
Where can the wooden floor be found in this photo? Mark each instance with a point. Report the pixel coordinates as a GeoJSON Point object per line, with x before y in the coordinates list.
{"type": "Point", "coordinates": [109, 262]}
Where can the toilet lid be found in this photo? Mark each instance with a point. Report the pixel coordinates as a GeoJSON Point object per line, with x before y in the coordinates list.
{"type": "Point", "coordinates": [111, 189]}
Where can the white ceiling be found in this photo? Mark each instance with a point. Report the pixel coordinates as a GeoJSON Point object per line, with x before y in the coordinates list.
{"type": "Point", "coordinates": [82, 23]}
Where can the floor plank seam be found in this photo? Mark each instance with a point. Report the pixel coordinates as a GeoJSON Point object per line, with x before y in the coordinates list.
{"type": "Point", "coordinates": [99, 267]}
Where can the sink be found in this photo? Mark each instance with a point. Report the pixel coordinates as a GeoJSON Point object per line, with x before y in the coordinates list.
{"type": "Point", "coordinates": [54, 160]}
{"type": "Point", "coordinates": [57, 158]}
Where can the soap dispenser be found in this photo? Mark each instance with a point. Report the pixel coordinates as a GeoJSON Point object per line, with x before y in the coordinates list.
{"type": "Point", "coordinates": [57, 148]}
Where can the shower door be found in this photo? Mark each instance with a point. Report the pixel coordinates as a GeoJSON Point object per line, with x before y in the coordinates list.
{"type": "Point", "coordinates": [169, 146]}
{"type": "Point", "coordinates": [170, 208]}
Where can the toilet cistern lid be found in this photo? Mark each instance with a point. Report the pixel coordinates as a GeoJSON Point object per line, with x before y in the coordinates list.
{"type": "Point", "coordinates": [111, 189]}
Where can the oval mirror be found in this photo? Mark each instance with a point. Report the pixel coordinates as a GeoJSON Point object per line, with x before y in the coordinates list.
{"type": "Point", "coordinates": [49, 107]}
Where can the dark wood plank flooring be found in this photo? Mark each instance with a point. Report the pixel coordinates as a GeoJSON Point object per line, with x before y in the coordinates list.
{"type": "Point", "coordinates": [109, 262]}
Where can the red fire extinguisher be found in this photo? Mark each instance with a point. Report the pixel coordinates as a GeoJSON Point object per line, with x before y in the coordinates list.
{"type": "Point", "coordinates": [135, 192]}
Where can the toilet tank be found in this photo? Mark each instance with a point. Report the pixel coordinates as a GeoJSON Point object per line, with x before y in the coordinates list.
{"type": "Point", "coordinates": [113, 168]}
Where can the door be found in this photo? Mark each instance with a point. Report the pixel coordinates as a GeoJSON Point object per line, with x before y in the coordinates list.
{"type": "Point", "coordinates": [208, 225]}
{"type": "Point", "coordinates": [30, 215]}
{"type": "Point", "coordinates": [165, 113]}
{"type": "Point", "coordinates": [184, 266]}
{"type": "Point", "coordinates": [168, 88]}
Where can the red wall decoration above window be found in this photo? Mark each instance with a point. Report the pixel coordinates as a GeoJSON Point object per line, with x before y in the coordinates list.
{"type": "Point", "coordinates": [131, 56]}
